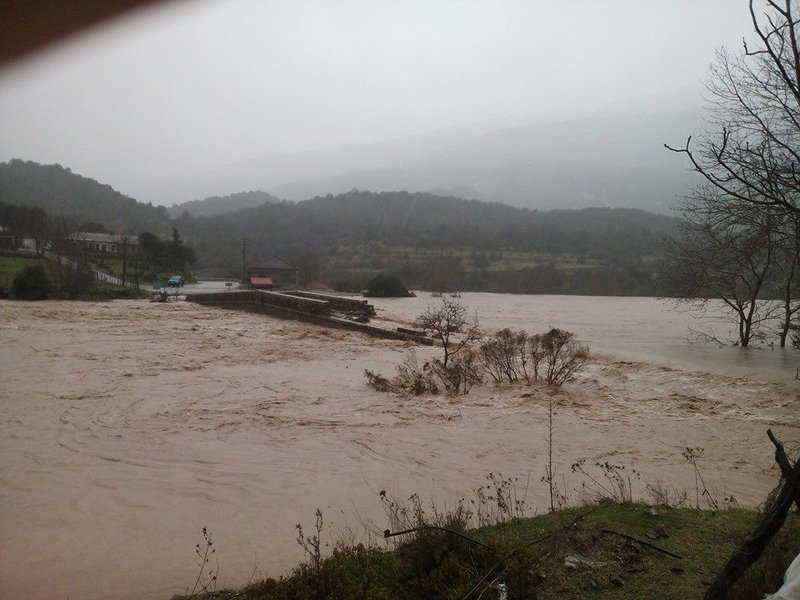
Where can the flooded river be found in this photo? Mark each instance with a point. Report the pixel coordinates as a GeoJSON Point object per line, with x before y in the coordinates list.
{"type": "Point", "coordinates": [127, 427]}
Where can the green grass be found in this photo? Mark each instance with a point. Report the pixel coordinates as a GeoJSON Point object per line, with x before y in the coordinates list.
{"type": "Point", "coordinates": [13, 263]}
{"type": "Point", "coordinates": [107, 264]}
{"type": "Point", "coordinates": [438, 565]}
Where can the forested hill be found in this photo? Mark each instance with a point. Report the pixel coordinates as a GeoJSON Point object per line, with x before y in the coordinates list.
{"type": "Point", "coordinates": [433, 242]}
{"type": "Point", "coordinates": [217, 205]}
{"type": "Point", "coordinates": [80, 199]}
{"type": "Point", "coordinates": [420, 220]}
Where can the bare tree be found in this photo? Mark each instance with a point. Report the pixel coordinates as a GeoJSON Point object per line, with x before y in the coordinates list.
{"type": "Point", "coordinates": [726, 252]}
{"type": "Point", "coordinates": [751, 152]}
{"type": "Point", "coordinates": [450, 324]}
{"type": "Point", "coordinates": [788, 275]}
{"type": "Point", "coordinates": [749, 157]}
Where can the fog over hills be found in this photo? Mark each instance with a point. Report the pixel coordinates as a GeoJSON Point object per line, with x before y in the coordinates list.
{"type": "Point", "coordinates": [268, 172]}
{"type": "Point", "coordinates": [602, 160]}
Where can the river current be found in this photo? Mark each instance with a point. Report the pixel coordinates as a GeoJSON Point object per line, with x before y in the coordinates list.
{"type": "Point", "coordinates": [128, 426]}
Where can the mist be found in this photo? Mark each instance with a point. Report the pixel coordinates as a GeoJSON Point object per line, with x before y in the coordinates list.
{"type": "Point", "coordinates": [160, 98]}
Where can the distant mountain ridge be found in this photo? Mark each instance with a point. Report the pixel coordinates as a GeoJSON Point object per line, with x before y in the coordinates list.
{"type": "Point", "coordinates": [607, 161]}
{"type": "Point", "coordinates": [602, 160]}
{"type": "Point", "coordinates": [266, 172]}
{"type": "Point", "coordinates": [217, 205]}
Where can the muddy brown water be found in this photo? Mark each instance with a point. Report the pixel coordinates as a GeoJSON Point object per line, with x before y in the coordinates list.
{"type": "Point", "coordinates": [127, 427]}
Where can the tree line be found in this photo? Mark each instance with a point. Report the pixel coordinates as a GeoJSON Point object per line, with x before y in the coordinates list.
{"type": "Point", "coordinates": [423, 220]}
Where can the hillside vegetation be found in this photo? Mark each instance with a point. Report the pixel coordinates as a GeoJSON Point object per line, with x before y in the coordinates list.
{"type": "Point", "coordinates": [423, 237]}
{"type": "Point", "coordinates": [63, 193]}
{"type": "Point", "coordinates": [431, 242]}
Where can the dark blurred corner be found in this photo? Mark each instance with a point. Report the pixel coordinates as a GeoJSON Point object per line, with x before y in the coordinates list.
{"type": "Point", "coordinates": [27, 26]}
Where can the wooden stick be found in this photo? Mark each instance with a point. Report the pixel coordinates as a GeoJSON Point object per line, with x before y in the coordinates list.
{"type": "Point", "coordinates": [641, 541]}
{"type": "Point", "coordinates": [388, 534]}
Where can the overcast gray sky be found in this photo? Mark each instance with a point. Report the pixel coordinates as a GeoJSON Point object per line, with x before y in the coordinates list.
{"type": "Point", "coordinates": [193, 85]}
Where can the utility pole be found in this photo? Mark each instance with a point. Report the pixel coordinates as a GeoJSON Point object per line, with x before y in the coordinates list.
{"type": "Point", "coordinates": [124, 259]}
{"type": "Point", "coordinates": [244, 259]}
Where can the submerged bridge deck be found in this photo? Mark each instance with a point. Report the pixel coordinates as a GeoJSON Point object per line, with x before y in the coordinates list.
{"type": "Point", "coordinates": [321, 309]}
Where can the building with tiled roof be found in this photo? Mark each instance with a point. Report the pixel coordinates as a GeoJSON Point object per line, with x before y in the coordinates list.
{"type": "Point", "coordinates": [276, 269]}
{"type": "Point", "coordinates": [104, 242]}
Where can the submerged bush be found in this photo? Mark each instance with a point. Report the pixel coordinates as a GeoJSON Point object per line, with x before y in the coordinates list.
{"type": "Point", "coordinates": [512, 356]}
{"type": "Point", "coordinates": [72, 283]}
{"type": "Point", "coordinates": [457, 377]}
{"type": "Point", "coordinates": [411, 379]}
{"type": "Point", "coordinates": [504, 356]}
{"type": "Point", "coordinates": [563, 355]}
{"type": "Point", "coordinates": [508, 356]}
{"type": "Point", "coordinates": [461, 374]}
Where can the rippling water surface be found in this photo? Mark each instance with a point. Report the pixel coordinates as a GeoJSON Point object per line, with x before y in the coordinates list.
{"type": "Point", "coordinates": [643, 329]}
{"type": "Point", "coordinates": [130, 426]}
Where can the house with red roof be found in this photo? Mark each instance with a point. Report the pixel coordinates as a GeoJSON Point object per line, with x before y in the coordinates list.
{"type": "Point", "coordinates": [272, 273]}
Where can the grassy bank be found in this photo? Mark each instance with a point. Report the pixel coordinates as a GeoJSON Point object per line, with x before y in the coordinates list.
{"type": "Point", "coordinates": [12, 263]}
{"type": "Point", "coordinates": [573, 553]}
{"type": "Point", "coordinates": [61, 283]}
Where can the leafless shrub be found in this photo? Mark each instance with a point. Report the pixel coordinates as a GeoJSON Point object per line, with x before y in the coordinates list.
{"type": "Point", "coordinates": [411, 513]}
{"type": "Point", "coordinates": [693, 456]}
{"type": "Point", "coordinates": [563, 356]}
{"type": "Point", "coordinates": [663, 495]}
{"type": "Point", "coordinates": [514, 355]}
{"type": "Point", "coordinates": [413, 379]}
{"type": "Point", "coordinates": [377, 381]}
{"type": "Point", "coordinates": [504, 356]}
{"type": "Point", "coordinates": [490, 362]}
{"type": "Point", "coordinates": [508, 356]}
{"type": "Point", "coordinates": [535, 354]}
{"type": "Point", "coordinates": [312, 544]}
{"type": "Point", "coordinates": [498, 500]}
{"type": "Point", "coordinates": [207, 574]}
{"type": "Point", "coordinates": [607, 482]}
{"type": "Point", "coordinates": [460, 375]}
